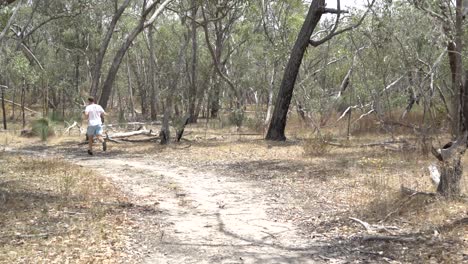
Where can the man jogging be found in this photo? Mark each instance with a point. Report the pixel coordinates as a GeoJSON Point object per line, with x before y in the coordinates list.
{"type": "Point", "coordinates": [93, 113]}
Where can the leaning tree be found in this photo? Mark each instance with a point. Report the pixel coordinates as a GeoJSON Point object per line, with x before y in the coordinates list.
{"type": "Point", "coordinates": [316, 10]}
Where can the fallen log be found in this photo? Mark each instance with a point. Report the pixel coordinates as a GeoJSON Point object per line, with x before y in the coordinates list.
{"type": "Point", "coordinates": [140, 140]}
{"type": "Point", "coordinates": [131, 134]}
{"type": "Point", "coordinates": [389, 145]}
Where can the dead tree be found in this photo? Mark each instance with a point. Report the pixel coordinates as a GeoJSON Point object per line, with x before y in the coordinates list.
{"type": "Point", "coordinates": [451, 169]}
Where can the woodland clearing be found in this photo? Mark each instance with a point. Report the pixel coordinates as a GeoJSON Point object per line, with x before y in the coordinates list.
{"type": "Point", "coordinates": [223, 197]}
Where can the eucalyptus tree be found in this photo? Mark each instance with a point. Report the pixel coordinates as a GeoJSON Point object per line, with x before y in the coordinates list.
{"type": "Point", "coordinates": [219, 19]}
{"type": "Point", "coordinates": [316, 10]}
{"type": "Point", "coordinates": [148, 13]}
{"type": "Point", "coordinates": [450, 14]}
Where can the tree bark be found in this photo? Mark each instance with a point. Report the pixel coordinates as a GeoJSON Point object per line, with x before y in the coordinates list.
{"type": "Point", "coordinates": [451, 167]}
{"type": "Point", "coordinates": [23, 99]}
{"type": "Point", "coordinates": [96, 74]}
{"type": "Point", "coordinates": [107, 87]}
{"type": "Point", "coordinates": [271, 88]}
{"type": "Point", "coordinates": [152, 77]}
{"type": "Point", "coordinates": [194, 66]}
{"type": "Point", "coordinates": [164, 134]}
{"type": "Point", "coordinates": [130, 90]}
{"type": "Point", "coordinates": [6, 2]}
{"type": "Point", "coordinates": [450, 177]}
{"type": "Point", "coordinates": [3, 108]}
{"type": "Point", "coordinates": [278, 122]}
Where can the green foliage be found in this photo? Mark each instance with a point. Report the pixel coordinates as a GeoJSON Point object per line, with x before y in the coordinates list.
{"type": "Point", "coordinates": [236, 117]}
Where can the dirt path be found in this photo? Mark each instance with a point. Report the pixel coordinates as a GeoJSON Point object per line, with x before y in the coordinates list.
{"type": "Point", "coordinates": [203, 217]}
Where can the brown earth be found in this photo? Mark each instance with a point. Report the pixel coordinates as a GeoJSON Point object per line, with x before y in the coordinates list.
{"type": "Point", "coordinates": [239, 199]}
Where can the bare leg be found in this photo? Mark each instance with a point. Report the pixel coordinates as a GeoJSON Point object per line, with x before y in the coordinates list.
{"type": "Point", "coordinates": [101, 139]}
{"type": "Point", "coordinates": [90, 143]}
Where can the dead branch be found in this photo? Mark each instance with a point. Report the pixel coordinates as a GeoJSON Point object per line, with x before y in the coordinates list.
{"type": "Point", "coordinates": [374, 228]}
{"type": "Point", "coordinates": [392, 84]}
{"type": "Point", "coordinates": [411, 192]}
{"type": "Point", "coordinates": [111, 140]}
{"type": "Point", "coordinates": [19, 236]}
{"type": "Point", "coordinates": [391, 238]}
{"type": "Point", "coordinates": [364, 224]}
{"type": "Point", "coordinates": [133, 133]}
{"type": "Point", "coordinates": [364, 115]}
{"type": "Point", "coordinates": [385, 143]}
{"type": "Point", "coordinates": [75, 124]}
{"type": "Point", "coordinates": [25, 108]}
{"type": "Point", "coordinates": [151, 139]}
{"type": "Point", "coordinates": [185, 147]}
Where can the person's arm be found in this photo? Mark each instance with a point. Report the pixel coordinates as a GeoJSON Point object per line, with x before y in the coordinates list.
{"type": "Point", "coordinates": [103, 114]}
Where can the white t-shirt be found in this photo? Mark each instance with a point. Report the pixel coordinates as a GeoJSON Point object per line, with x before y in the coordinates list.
{"type": "Point", "coordinates": [94, 112]}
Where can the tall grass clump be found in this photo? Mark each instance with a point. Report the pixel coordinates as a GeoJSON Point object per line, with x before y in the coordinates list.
{"type": "Point", "coordinates": [318, 145]}
{"type": "Point", "coordinates": [43, 128]}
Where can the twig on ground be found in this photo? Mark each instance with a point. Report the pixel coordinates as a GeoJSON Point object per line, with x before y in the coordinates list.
{"type": "Point", "coordinates": [391, 238]}
{"type": "Point", "coordinates": [374, 228]}
{"type": "Point", "coordinates": [411, 194]}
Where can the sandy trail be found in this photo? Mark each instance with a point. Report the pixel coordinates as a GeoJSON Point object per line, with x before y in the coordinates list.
{"type": "Point", "coordinates": [204, 217]}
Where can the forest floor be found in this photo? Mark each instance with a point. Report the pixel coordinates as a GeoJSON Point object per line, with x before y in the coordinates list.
{"type": "Point", "coordinates": [225, 198]}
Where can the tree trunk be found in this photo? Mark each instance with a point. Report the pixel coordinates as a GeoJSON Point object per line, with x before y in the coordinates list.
{"type": "Point", "coordinates": [450, 176]}
{"type": "Point", "coordinates": [130, 90]}
{"type": "Point", "coordinates": [271, 88]}
{"type": "Point", "coordinates": [450, 155]}
{"type": "Point", "coordinates": [164, 134]}
{"type": "Point", "coordinates": [77, 74]}
{"type": "Point", "coordinates": [23, 99]}
{"type": "Point", "coordinates": [152, 77]}
{"type": "Point", "coordinates": [13, 106]}
{"type": "Point", "coordinates": [143, 88]}
{"type": "Point", "coordinates": [194, 66]}
{"type": "Point", "coordinates": [214, 98]}
{"type": "Point", "coordinates": [3, 109]}
{"type": "Point", "coordinates": [96, 74]}
{"type": "Point", "coordinates": [278, 122]}
{"type": "Point", "coordinates": [107, 87]}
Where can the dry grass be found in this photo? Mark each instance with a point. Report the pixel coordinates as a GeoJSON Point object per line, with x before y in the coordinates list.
{"type": "Point", "coordinates": [322, 191]}
{"type": "Point", "coordinates": [56, 212]}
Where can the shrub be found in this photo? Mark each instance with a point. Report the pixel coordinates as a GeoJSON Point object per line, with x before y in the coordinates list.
{"type": "Point", "coordinates": [43, 128]}
{"type": "Point", "coordinates": [255, 124]}
{"type": "Point", "coordinates": [318, 145]}
{"type": "Point", "coordinates": [236, 117]}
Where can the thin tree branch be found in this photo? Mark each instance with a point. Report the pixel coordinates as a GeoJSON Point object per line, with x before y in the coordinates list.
{"type": "Point", "coordinates": [10, 20]}
{"type": "Point", "coordinates": [333, 33]}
